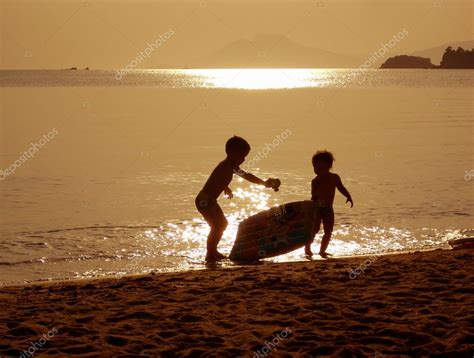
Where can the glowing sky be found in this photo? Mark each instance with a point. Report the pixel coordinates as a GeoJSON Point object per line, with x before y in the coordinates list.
{"type": "Point", "coordinates": [107, 34]}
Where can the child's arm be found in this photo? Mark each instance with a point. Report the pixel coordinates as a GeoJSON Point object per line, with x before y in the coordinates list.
{"type": "Point", "coordinates": [252, 178]}
{"type": "Point", "coordinates": [342, 189]}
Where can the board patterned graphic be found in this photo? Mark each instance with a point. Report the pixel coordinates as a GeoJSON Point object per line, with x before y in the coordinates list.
{"type": "Point", "coordinates": [274, 232]}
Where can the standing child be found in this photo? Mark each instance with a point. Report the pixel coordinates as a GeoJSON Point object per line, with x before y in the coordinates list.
{"type": "Point", "coordinates": [236, 149]}
{"type": "Point", "coordinates": [323, 190]}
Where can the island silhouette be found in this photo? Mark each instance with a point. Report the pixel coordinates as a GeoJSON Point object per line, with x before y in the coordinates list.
{"type": "Point", "coordinates": [452, 59]}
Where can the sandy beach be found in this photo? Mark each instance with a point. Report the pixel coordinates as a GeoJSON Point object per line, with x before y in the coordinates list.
{"type": "Point", "coordinates": [419, 303]}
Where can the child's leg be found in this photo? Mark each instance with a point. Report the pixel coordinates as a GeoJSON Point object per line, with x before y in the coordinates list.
{"type": "Point", "coordinates": [217, 229]}
{"type": "Point", "coordinates": [317, 226]}
{"type": "Point", "coordinates": [218, 223]}
{"type": "Point", "coordinates": [328, 225]}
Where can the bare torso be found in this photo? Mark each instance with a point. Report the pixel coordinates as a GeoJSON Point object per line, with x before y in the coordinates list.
{"type": "Point", "coordinates": [219, 179]}
{"type": "Point", "coordinates": [323, 188]}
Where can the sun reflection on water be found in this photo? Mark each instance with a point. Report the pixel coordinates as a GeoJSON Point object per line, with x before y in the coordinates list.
{"type": "Point", "coordinates": [182, 245]}
{"type": "Point", "coordinates": [267, 78]}
{"type": "Point", "coordinates": [192, 234]}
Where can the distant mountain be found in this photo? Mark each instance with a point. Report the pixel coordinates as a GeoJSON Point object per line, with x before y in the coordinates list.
{"type": "Point", "coordinates": [436, 53]}
{"type": "Point", "coordinates": [271, 51]}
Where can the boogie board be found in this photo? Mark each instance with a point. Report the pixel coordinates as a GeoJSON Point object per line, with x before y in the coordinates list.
{"type": "Point", "coordinates": [274, 232]}
{"type": "Point", "coordinates": [464, 243]}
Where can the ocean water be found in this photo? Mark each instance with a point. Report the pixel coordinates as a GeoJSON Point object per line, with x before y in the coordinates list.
{"type": "Point", "coordinates": [114, 162]}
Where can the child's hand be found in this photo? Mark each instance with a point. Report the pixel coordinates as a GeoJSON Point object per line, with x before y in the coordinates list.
{"type": "Point", "coordinates": [349, 200]}
{"type": "Point", "coordinates": [228, 193]}
{"type": "Point", "coordinates": [273, 183]}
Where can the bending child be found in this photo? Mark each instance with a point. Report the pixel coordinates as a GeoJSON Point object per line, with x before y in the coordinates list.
{"type": "Point", "coordinates": [236, 149]}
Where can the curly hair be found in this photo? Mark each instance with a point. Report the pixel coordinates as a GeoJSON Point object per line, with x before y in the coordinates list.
{"type": "Point", "coordinates": [324, 156]}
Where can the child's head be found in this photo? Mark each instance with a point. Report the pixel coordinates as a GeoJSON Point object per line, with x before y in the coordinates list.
{"type": "Point", "coordinates": [237, 149]}
{"type": "Point", "coordinates": [322, 161]}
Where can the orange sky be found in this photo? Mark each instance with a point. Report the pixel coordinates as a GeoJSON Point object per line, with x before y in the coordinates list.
{"type": "Point", "coordinates": [108, 34]}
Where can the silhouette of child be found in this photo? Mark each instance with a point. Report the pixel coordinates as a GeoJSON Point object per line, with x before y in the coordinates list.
{"type": "Point", "coordinates": [323, 190]}
{"type": "Point", "coordinates": [237, 149]}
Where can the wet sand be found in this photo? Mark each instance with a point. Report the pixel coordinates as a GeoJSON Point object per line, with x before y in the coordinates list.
{"type": "Point", "coordinates": [408, 304]}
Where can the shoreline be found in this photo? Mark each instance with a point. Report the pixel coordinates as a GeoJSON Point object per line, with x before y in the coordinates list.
{"type": "Point", "coordinates": [222, 266]}
{"type": "Point", "coordinates": [401, 304]}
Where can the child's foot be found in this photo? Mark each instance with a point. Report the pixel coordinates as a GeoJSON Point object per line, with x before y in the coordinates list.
{"type": "Point", "coordinates": [308, 252]}
{"type": "Point", "coordinates": [324, 255]}
{"type": "Point", "coordinates": [213, 257]}
{"type": "Point", "coordinates": [210, 258]}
